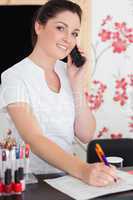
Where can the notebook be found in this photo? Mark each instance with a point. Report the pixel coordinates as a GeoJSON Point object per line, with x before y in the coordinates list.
{"type": "Point", "coordinates": [78, 190]}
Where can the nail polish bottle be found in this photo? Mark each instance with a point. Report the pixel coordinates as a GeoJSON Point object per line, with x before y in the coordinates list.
{"type": "Point", "coordinates": [8, 182]}
{"type": "Point", "coordinates": [4, 164]}
{"type": "Point", "coordinates": [1, 187]}
{"type": "Point", "coordinates": [21, 177]}
{"type": "Point", "coordinates": [17, 186]}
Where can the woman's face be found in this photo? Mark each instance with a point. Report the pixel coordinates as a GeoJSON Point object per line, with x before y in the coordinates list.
{"type": "Point", "coordinates": [59, 36]}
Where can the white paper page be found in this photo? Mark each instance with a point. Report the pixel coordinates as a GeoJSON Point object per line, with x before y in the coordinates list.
{"type": "Point", "coordinates": [81, 191]}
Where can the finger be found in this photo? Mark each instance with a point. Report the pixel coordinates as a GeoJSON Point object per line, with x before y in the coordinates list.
{"type": "Point", "coordinates": [80, 49]}
{"type": "Point", "coordinates": [109, 178]}
{"type": "Point", "coordinates": [82, 52]}
{"type": "Point", "coordinates": [99, 175]}
{"type": "Point", "coordinates": [101, 179]}
{"type": "Point", "coordinates": [99, 182]}
{"type": "Point", "coordinates": [113, 167]}
{"type": "Point", "coordinates": [111, 171]}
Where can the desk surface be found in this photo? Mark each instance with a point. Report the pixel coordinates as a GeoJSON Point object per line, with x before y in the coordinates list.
{"type": "Point", "coordinates": [42, 191]}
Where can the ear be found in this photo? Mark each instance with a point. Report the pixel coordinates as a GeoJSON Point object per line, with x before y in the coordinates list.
{"type": "Point", "coordinates": [38, 28]}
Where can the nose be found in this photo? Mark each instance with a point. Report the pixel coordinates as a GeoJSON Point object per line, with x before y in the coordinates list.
{"type": "Point", "coordinates": [67, 38]}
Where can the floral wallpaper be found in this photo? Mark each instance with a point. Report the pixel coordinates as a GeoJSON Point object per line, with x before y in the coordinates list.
{"type": "Point", "coordinates": [111, 94]}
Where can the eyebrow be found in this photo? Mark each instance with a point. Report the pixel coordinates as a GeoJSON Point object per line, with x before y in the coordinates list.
{"type": "Point", "coordinates": [67, 25]}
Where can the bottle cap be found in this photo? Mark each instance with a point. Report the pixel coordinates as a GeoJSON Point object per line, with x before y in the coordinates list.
{"type": "Point", "coordinates": [17, 180]}
{"type": "Point", "coordinates": [21, 173]}
{"type": "Point", "coordinates": [8, 177]}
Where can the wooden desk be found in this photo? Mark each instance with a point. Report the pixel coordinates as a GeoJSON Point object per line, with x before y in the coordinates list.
{"type": "Point", "coordinates": [42, 191]}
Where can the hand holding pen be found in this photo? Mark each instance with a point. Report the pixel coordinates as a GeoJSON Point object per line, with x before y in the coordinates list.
{"type": "Point", "coordinates": [101, 155]}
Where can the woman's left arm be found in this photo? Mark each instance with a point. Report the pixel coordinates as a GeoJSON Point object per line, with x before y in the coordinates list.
{"type": "Point", "coordinates": [85, 123]}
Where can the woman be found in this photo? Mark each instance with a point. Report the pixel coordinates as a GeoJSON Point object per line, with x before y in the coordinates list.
{"type": "Point", "coordinates": [45, 98]}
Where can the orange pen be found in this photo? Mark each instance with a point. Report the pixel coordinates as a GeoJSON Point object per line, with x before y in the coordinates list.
{"type": "Point", "coordinates": [98, 154]}
{"type": "Point", "coordinates": [100, 149]}
{"type": "Point", "coordinates": [102, 155]}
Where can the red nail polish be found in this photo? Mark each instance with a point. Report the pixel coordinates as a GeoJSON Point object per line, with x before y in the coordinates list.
{"type": "Point", "coordinates": [21, 177]}
{"type": "Point", "coordinates": [1, 187]}
{"type": "Point", "coordinates": [17, 186]}
{"type": "Point", "coordinates": [8, 188]}
{"type": "Point", "coordinates": [8, 181]}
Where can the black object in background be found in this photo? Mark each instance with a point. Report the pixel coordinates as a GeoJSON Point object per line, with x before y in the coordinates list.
{"type": "Point", "coordinates": [15, 33]}
{"type": "Point", "coordinates": [122, 147]}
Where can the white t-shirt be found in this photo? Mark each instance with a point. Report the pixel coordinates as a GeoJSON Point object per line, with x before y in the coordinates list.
{"type": "Point", "coordinates": [25, 82]}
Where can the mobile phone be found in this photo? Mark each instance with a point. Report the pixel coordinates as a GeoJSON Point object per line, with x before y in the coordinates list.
{"type": "Point", "coordinates": [77, 58]}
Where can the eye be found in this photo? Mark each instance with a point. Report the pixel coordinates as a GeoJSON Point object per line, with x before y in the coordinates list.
{"type": "Point", "coordinates": [60, 28]}
{"type": "Point", "coordinates": [75, 34]}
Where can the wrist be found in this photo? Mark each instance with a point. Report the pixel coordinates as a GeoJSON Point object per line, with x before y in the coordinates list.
{"type": "Point", "coordinates": [80, 90]}
{"type": "Point", "coordinates": [80, 97]}
{"type": "Point", "coordinates": [84, 175]}
{"type": "Point", "coordinates": [81, 171]}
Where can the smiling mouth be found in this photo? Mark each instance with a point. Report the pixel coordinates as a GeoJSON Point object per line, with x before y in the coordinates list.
{"type": "Point", "coordinates": [64, 48]}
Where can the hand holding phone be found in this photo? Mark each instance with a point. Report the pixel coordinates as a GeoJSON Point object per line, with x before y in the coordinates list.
{"type": "Point", "coordinates": [77, 58]}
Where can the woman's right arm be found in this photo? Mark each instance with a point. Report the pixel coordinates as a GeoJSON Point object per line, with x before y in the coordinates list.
{"type": "Point", "coordinates": [30, 131]}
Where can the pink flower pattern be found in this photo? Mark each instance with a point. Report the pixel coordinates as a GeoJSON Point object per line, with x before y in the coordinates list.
{"type": "Point", "coordinates": [130, 125]}
{"type": "Point", "coordinates": [121, 89]}
{"type": "Point", "coordinates": [95, 100]}
{"type": "Point", "coordinates": [119, 46]}
{"type": "Point", "coordinates": [105, 131]}
{"type": "Point", "coordinates": [120, 93]}
{"type": "Point", "coordinates": [105, 35]}
{"type": "Point", "coordinates": [116, 135]}
{"type": "Point", "coordinates": [118, 37]}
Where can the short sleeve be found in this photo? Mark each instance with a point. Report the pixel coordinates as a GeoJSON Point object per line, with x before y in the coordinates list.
{"type": "Point", "coordinates": [13, 90]}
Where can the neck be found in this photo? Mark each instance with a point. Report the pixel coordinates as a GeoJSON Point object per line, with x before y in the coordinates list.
{"type": "Point", "coordinates": [42, 60]}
